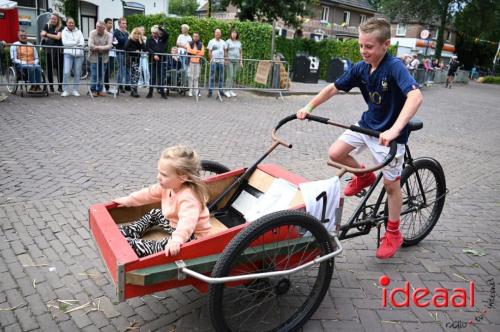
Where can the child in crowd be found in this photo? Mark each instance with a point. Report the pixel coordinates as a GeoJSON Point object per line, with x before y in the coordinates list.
{"type": "Point", "coordinates": [183, 196]}
{"type": "Point", "coordinates": [393, 98]}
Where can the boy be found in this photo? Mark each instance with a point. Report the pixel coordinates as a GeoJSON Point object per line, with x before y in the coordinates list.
{"type": "Point", "coordinates": [393, 98]}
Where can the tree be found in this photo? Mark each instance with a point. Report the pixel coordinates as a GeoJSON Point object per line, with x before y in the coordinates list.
{"type": "Point", "coordinates": [183, 7]}
{"type": "Point", "coordinates": [69, 8]}
{"type": "Point", "coordinates": [426, 11]}
{"type": "Point", "coordinates": [480, 19]}
{"type": "Point", "coordinates": [290, 11]}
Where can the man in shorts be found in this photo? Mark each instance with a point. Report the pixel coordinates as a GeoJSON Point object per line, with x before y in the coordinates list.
{"type": "Point", "coordinates": [452, 70]}
{"type": "Point", "coordinates": [393, 98]}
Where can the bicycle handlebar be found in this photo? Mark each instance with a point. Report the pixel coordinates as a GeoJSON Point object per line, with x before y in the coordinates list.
{"type": "Point", "coordinates": [390, 156]}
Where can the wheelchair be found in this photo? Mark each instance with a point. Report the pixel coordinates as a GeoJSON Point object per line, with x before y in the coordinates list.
{"type": "Point", "coordinates": [16, 79]}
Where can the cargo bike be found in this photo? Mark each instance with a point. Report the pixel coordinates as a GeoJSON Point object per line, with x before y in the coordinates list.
{"type": "Point", "coordinates": [267, 271]}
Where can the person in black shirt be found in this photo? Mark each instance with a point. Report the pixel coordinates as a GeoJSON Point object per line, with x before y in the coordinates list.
{"type": "Point", "coordinates": [120, 37]}
{"type": "Point", "coordinates": [52, 36]}
{"type": "Point", "coordinates": [157, 44]}
{"type": "Point", "coordinates": [134, 46]}
{"type": "Point", "coordinates": [453, 67]}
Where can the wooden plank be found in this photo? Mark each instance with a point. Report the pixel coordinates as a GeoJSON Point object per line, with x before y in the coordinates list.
{"type": "Point", "coordinates": [162, 273]}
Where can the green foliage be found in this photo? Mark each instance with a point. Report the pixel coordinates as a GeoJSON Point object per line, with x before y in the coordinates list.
{"type": "Point", "coordinates": [473, 51]}
{"type": "Point", "coordinates": [183, 7]}
{"type": "Point", "coordinates": [480, 19]}
{"type": "Point", "coordinates": [255, 39]}
{"type": "Point", "coordinates": [426, 11]}
{"type": "Point", "coordinates": [491, 79]}
{"type": "Point", "coordinates": [289, 11]}
{"type": "Point", "coordinates": [70, 9]}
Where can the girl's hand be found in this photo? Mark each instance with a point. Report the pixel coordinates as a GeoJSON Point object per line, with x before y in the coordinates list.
{"type": "Point", "coordinates": [121, 201]}
{"type": "Point", "coordinates": [173, 248]}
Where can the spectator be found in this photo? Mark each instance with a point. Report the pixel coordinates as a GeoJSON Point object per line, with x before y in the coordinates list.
{"type": "Point", "coordinates": [73, 56]}
{"type": "Point", "coordinates": [412, 67]}
{"type": "Point", "coordinates": [120, 38]}
{"type": "Point", "coordinates": [174, 66]}
{"type": "Point", "coordinates": [155, 45]}
{"type": "Point", "coordinates": [197, 51]}
{"type": "Point", "coordinates": [112, 54]}
{"type": "Point", "coordinates": [3, 96]}
{"type": "Point", "coordinates": [182, 42]}
{"type": "Point", "coordinates": [25, 59]}
{"type": "Point", "coordinates": [134, 47]}
{"type": "Point", "coordinates": [51, 37]}
{"type": "Point", "coordinates": [235, 61]}
{"type": "Point", "coordinates": [429, 71]}
{"type": "Point", "coordinates": [217, 51]}
{"type": "Point", "coordinates": [144, 62]}
{"type": "Point", "coordinates": [474, 73]}
{"type": "Point", "coordinates": [452, 70]}
{"type": "Point", "coordinates": [99, 46]}
{"type": "Point", "coordinates": [435, 64]}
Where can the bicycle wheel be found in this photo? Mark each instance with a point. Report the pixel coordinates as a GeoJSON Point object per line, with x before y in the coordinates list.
{"type": "Point", "coordinates": [11, 78]}
{"type": "Point", "coordinates": [419, 215]}
{"type": "Point", "coordinates": [210, 168]}
{"type": "Point", "coordinates": [277, 241]}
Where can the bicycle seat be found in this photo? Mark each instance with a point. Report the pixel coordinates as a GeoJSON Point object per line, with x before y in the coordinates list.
{"type": "Point", "coordinates": [415, 124]}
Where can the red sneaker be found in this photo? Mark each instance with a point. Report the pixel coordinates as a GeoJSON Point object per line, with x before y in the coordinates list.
{"type": "Point", "coordinates": [389, 244]}
{"type": "Point", "coordinates": [357, 183]}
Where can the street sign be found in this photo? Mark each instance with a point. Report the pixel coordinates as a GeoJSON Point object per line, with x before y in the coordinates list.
{"type": "Point", "coordinates": [424, 34]}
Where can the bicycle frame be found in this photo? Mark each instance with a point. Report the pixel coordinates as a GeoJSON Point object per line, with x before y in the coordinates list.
{"type": "Point", "coordinates": [370, 213]}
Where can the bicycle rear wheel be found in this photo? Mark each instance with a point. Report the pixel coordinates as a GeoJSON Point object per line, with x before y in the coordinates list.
{"type": "Point", "coordinates": [210, 168]}
{"type": "Point", "coordinates": [424, 190]}
{"type": "Point", "coordinates": [278, 241]}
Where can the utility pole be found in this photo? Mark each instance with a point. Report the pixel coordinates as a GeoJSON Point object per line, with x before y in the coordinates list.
{"type": "Point", "coordinates": [273, 36]}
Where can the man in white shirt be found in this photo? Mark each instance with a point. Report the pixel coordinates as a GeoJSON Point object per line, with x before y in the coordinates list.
{"type": "Point", "coordinates": [217, 52]}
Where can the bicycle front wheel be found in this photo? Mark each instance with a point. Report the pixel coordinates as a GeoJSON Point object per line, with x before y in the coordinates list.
{"type": "Point", "coordinates": [276, 242]}
{"type": "Point", "coordinates": [423, 186]}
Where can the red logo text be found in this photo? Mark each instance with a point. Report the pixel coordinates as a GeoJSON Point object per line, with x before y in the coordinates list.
{"type": "Point", "coordinates": [439, 297]}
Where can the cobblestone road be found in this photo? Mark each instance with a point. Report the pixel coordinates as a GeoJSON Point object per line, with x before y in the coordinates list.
{"type": "Point", "coordinates": [58, 156]}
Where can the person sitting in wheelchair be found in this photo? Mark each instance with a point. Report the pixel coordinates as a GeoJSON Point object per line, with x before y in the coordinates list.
{"type": "Point", "coordinates": [25, 59]}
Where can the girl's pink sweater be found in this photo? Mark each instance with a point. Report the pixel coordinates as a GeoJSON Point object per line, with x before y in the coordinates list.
{"type": "Point", "coordinates": [182, 208]}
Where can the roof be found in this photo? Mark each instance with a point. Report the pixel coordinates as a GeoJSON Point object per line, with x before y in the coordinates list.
{"type": "Point", "coordinates": [361, 4]}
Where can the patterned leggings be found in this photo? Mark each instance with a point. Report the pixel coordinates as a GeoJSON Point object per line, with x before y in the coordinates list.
{"type": "Point", "coordinates": [134, 231]}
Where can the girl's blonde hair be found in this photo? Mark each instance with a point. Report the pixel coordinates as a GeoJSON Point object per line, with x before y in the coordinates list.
{"type": "Point", "coordinates": [186, 162]}
{"type": "Point", "coordinates": [134, 31]}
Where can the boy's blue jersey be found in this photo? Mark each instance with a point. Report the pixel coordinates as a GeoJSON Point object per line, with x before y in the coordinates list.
{"type": "Point", "coordinates": [384, 91]}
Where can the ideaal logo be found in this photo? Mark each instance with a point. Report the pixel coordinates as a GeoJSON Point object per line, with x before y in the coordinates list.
{"type": "Point", "coordinates": [440, 297]}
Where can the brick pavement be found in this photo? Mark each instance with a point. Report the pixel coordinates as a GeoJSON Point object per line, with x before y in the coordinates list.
{"type": "Point", "coordinates": [58, 156]}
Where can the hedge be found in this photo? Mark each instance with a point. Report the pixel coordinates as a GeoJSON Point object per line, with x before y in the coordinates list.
{"type": "Point", "coordinates": [491, 79]}
{"type": "Point", "coordinates": [255, 39]}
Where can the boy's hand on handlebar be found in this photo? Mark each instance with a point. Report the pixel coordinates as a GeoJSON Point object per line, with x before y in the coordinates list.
{"type": "Point", "coordinates": [301, 114]}
{"type": "Point", "coordinates": [173, 248]}
{"type": "Point", "coordinates": [387, 137]}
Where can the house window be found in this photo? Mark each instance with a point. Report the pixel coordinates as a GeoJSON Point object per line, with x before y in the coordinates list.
{"type": "Point", "coordinates": [26, 3]}
{"type": "Point", "coordinates": [325, 13]}
{"type": "Point", "coordinates": [448, 35]}
{"type": "Point", "coordinates": [401, 29]}
{"type": "Point", "coordinates": [347, 18]}
{"type": "Point", "coordinates": [362, 18]}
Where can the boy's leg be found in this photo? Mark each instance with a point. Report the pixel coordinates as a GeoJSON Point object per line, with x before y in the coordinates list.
{"type": "Point", "coordinates": [339, 152]}
{"type": "Point", "coordinates": [392, 240]}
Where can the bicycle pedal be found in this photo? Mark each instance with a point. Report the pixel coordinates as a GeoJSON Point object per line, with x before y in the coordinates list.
{"type": "Point", "coordinates": [361, 194]}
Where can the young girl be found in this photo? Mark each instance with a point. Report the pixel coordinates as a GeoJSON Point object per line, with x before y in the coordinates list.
{"type": "Point", "coordinates": [183, 196]}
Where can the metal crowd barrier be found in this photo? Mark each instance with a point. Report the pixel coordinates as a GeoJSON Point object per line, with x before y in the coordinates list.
{"type": "Point", "coordinates": [128, 70]}
{"type": "Point", "coordinates": [439, 76]}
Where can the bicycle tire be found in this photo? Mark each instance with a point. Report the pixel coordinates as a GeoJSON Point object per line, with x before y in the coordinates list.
{"type": "Point", "coordinates": [289, 300]}
{"type": "Point", "coordinates": [11, 78]}
{"type": "Point", "coordinates": [427, 215]}
{"type": "Point", "coordinates": [210, 168]}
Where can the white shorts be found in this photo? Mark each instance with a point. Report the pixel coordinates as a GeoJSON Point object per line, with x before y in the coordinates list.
{"type": "Point", "coordinates": [360, 141]}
